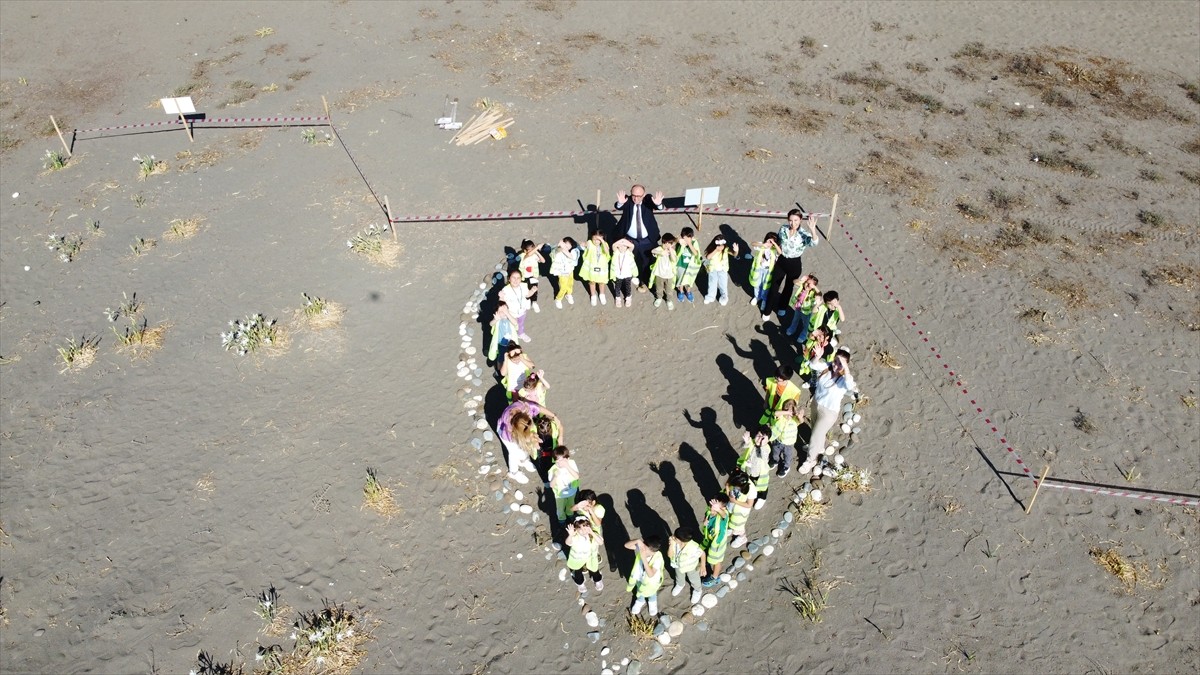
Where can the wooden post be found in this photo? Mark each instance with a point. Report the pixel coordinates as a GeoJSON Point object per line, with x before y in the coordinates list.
{"type": "Point", "coordinates": [387, 207]}
{"type": "Point", "coordinates": [187, 127]}
{"type": "Point", "coordinates": [597, 212]}
{"type": "Point", "coordinates": [832, 213]}
{"type": "Point", "coordinates": [60, 136]}
{"type": "Point", "coordinates": [1037, 489]}
{"type": "Point", "coordinates": [700, 213]}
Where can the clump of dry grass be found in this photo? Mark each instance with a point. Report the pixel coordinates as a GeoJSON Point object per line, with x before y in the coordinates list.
{"type": "Point", "coordinates": [78, 355]}
{"type": "Point", "coordinates": [149, 166]}
{"type": "Point", "coordinates": [885, 358]}
{"type": "Point", "coordinates": [319, 313]}
{"type": "Point", "coordinates": [473, 502]}
{"type": "Point", "coordinates": [327, 641]}
{"type": "Point", "coordinates": [1082, 422]}
{"type": "Point", "coordinates": [1073, 294]}
{"type": "Point", "coordinates": [371, 244]}
{"type": "Point", "coordinates": [183, 228]}
{"type": "Point", "coordinates": [1128, 573]}
{"type": "Point", "coordinates": [273, 612]}
{"type": "Point", "coordinates": [848, 479]}
{"type": "Point", "coordinates": [760, 154]}
{"type": "Point", "coordinates": [898, 177]}
{"type": "Point", "coordinates": [190, 160]}
{"type": "Point", "coordinates": [967, 209]}
{"type": "Point", "coordinates": [641, 627]}
{"type": "Point", "coordinates": [1179, 275]}
{"type": "Point", "coordinates": [378, 497]}
{"type": "Point", "coordinates": [804, 120]}
{"type": "Point", "coordinates": [809, 511]}
{"type": "Point", "coordinates": [139, 339]}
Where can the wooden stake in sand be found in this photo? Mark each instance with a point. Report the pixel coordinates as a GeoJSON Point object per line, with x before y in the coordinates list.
{"type": "Point", "coordinates": [1037, 489]}
{"type": "Point", "coordinates": [182, 106]}
{"type": "Point", "coordinates": [832, 212]}
{"type": "Point", "coordinates": [698, 197]}
{"type": "Point", "coordinates": [387, 208]}
{"type": "Point", "coordinates": [60, 136]}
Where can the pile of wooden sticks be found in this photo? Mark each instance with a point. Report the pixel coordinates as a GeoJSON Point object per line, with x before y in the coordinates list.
{"type": "Point", "coordinates": [481, 126]}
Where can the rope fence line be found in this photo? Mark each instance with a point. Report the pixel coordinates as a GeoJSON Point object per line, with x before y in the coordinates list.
{"type": "Point", "coordinates": [253, 121]}
{"type": "Point", "coordinates": [519, 215]}
{"type": "Point", "coordinates": [1132, 493]}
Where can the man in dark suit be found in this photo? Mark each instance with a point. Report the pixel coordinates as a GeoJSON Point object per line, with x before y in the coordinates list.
{"type": "Point", "coordinates": [638, 225]}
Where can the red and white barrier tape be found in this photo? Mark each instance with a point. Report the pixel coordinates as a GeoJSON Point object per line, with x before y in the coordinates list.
{"type": "Point", "coordinates": [516, 215]}
{"type": "Point", "coordinates": [1186, 501]}
{"type": "Point", "coordinates": [214, 120]}
{"type": "Point", "coordinates": [1141, 496]}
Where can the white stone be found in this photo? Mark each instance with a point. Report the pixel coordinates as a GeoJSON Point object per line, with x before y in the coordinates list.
{"type": "Point", "coordinates": [562, 575]}
{"type": "Point", "coordinates": [839, 460]}
{"type": "Point", "coordinates": [592, 619]}
{"type": "Point", "coordinates": [484, 469]}
{"type": "Point", "coordinates": [708, 601]}
{"type": "Point", "coordinates": [845, 428]}
{"type": "Point", "coordinates": [514, 507]}
{"type": "Point", "coordinates": [725, 577]}
{"type": "Point", "coordinates": [857, 430]}
{"type": "Point", "coordinates": [777, 533]}
{"type": "Point", "coordinates": [470, 350]}
{"type": "Point", "coordinates": [526, 509]}
{"type": "Point", "coordinates": [768, 549]}
{"type": "Point", "coordinates": [481, 424]}
{"type": "Point", "coordinates": [625, 661]}
{"type": "Point", "coordinates": [697, 610]}
{"type": "Point", "coordinates": [815, 495]}
{"type": "Point", "coordinates": [664, 638]}
{"type": "Point", "coordinates": [857, 418]}
{"type": "Point", "coordinates": [733, 583]}
{"type": "Point", "coordinates": [605, 651]}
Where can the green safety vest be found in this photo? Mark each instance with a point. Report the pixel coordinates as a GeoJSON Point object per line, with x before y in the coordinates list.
{"type": "Point", "coordinates": [687, 557]}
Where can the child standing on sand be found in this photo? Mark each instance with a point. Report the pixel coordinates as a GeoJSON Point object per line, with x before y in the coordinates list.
{"type": "Point", "coordinates": [549, 435]}
{"type": "Point", "coordinates": [515, 367]}
{"type": "Point", "coordinates": [765, 255]}
{"type": "Point", "coordinates": [515, 295]}
{"type": "Point", "coordinates": [803, 301]}
{"type": "Point", "coordinates": [688, 261]}
{"type": "Point", "coordinates": [715, 537]}
{"type": "Point", "coordinates": [756, 462]}
{"type": "Point", "coordinates": [531, 261]}
{"type": "Point", "coordinates": [587, 507]}
{"type": "Point", "coordinates": [533, 389]}
{"type": "Point", "coordinates": [594, 270]}
{"type": "Point", "coordinates": [778, 389]}
{"type": "Point", "coordinates": [663, 270]}
{"type": "Point", "coordinates": [504, 332]}
{"type": "Point", "coordinates": [828, 314]}
{"type": "Point", "coordinates": [741, 501]}
{"type": "Point", "coordinates": [564, 482]}
{"type": "Point", "coordinates": [716, 256]}
{"type": "Point", "coordinates": [785, 428]}
{"type": "Point", "coordinates": [647, 574]}
{"type": "Point", "coordinates": [623, 271]}
{"type": "Point", "coordinates": [563, 262]}
{"type": "Point", "coordinates": [585, 553]}
{"type": "Point", "coordinates": [686, 557]}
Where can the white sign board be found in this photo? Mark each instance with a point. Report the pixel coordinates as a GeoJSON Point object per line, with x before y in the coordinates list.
{"type": "Point", "coordinates": [178, 106]}
{"type": "Point", "coordinates": [692, 197]}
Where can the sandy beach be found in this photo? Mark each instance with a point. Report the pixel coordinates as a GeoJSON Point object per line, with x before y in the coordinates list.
{"type": "Point", "coordinates": [1016, 247]}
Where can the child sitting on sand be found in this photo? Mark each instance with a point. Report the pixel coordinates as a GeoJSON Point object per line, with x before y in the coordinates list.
{"type": "Point", "coordinates": [647, 574]}
{"type": "Point", "coordinates": [594, 270]}
{"type": "Point", "coordinates": [623, 271]}
{"type": "Point", "coordinates": [765, 253]}
{"type": "Point", "coordinates": [531, 261]}
{"type": "Point", "coordinates": [563, 262]}
{"type": "Point", "coordinates": [663, 270]}
{"type": "Point", "coordinates": [688, 261]}
{"type": "Point", "coordinates": [564, 482]}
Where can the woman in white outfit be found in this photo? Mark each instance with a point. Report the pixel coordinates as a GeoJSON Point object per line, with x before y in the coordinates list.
{"type": "Point", "coordinates": [830, 384]}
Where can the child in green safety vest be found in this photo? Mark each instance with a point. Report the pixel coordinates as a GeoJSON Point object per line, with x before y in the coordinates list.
{"type": "Point", "coordinates": [564, 481]}
{"type": "Point", "coordinates": [715, 537]}
{"type": "Point", "coordinates": [785, 429]}
{"type": "Point", "coordinates": [595, 268]}
{"type": "Point", "coordinates": [646, 578]}
{"type": "Point", "coordinates": [686, 557]}
{"type": "Point", "coordinates": [765, 253]}
{"type": "Point", "coordinates": [662, 270]}
{"type": "Point", "coordinates": [585, 554]}
{"type": "Point", "coordinates": [716, 258]}
{"type": "Point", "coordinates": [587, 507]}
{"type": "Point", "coordinates": [803, 301]}
{"type": "Point", "coordinates": [504, 332]}
{"type": "Point", "coordinates": [688, 261]}
{"type": "Point", "coordinates": [828, 314]}
{"type": "Point", "coordinates": [779, 389]}
{"type": "Point", "coordinates": [741, 501]}
{"type": "Point", "coordinates": [816, 347]}
{"type": "Point", "coordinates": [756, 462]}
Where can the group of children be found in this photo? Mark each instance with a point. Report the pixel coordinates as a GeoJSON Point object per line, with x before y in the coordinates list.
{"type": "Point", "coordinates": [528, 429]}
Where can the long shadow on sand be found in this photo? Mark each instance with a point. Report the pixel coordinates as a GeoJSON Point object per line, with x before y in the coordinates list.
{"type": "Point", "coordinates": [724, 456]}
{"type": "Point", "coordinates": [643, 517]}
{"type": "Point", "coordinates": [702, 471]}
{"type": "Point", "coordinates": [673, 491]}
{"type": "Point", "coordinates": [742, 395]}
{"type": "Point", "coordinates": [615, 536]}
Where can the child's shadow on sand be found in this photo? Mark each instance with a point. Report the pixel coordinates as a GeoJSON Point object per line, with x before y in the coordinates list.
{"type": "Point", "coordinates": [673, 491]}
{"type": "Point", "coordinates": [724, 457]}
